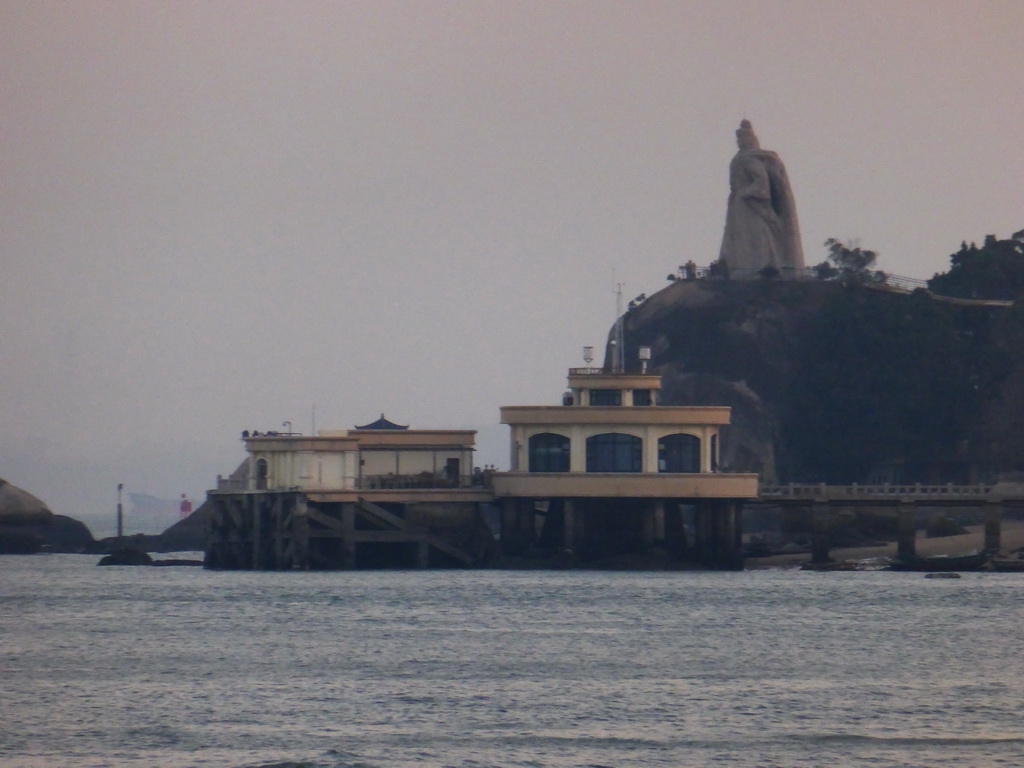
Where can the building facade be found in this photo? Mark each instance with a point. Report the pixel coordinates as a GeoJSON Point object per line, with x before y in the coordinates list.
{"type": "Point", "coordinates": [611, 472]}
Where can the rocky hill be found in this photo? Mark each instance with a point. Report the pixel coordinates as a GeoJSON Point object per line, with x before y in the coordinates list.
{"type": "Point", "coordinates": [28, 526]}
{"type": "Point", "coordinates": [842, 381]}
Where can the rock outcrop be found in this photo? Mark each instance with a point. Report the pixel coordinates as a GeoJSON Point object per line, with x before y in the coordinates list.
{"type": "Point", "coordinates": [27, 525]}
{"type": "Point", "coordinates": [831, 381]}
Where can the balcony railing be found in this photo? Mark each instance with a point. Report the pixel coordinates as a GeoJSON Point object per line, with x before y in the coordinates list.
{"type": "Point", "coordinates": [232, 483]}
{"type": "Point", "coordinates": [480, 479]}
{"type": "Point", "coordinates": [422, 480]}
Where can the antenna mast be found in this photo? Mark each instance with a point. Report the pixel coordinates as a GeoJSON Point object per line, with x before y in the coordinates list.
{"type": "Point", "coordinates": [618, 345]}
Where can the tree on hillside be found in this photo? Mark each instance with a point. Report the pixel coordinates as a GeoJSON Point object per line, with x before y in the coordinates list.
{"type": "Point", "coordinates": [999, 433]}
{"type": "Point", "coordinates": [879, 381]}
{"type": "Point", "coordinates": [994, 271]}
{"type": "Point", "coordinates": [848, 262]}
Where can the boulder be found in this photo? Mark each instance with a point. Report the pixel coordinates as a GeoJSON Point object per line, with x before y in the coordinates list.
{"type": "Point", "coordinates": [126, 556]}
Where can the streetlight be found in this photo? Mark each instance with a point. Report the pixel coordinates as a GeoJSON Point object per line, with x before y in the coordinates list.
{"type": "Point", "coordinates": [287, 424]}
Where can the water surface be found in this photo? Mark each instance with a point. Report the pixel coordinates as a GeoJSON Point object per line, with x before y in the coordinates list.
{"type": "Point", "coordinates": [182, 667]}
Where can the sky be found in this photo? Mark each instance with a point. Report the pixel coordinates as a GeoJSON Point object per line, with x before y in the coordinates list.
{"type": "Point", "coordinates": [217, 216]}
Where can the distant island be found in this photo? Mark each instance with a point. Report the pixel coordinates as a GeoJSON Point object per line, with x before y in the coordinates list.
{"type": "Point", "coordinates": [28, 526]}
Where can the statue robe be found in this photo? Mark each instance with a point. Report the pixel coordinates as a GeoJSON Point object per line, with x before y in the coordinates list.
{"type": "Point", "coordinates": [761, 228]}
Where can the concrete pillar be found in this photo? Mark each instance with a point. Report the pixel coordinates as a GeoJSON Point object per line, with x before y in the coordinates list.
{"type": "Point", "coordinates": [527, 525]}
{"type": "Point", "coordinates": [277, 531]}
{"type": "Point", "coordinates": [729, 545]}
{"type": "Point", "coordinates": [348, 536]}
{"type": "Point", "coordinates": [906, 515]}
{"type": "Point", "coordinates": [993, 526]}
{"type": "Point", "coordinates": [647, 534]}
{"type": "Point", "coordinates": [820, 538]}
{"type": "Point", "coordinates": [300, 535]}
{"type": "Point", "coordinates": [257, 532]}
{"type": "Point", "coordinates": [737, 516]}
{"type": "Point", "coordinates": [703, 533]}
{"type": "Point", "coordinates": [659, 521]}
{"type": "Point", "coordinates": [422, 554]}
{"type": "Point", "coordinates": [509, 525]}
{"type": "Point", "coordinates": [580, 521]}
{"type": "Point", "coordinates": [569, 525]}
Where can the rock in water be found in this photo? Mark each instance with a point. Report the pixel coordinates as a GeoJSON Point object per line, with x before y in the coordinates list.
{"type": "Point", "coordinates": [126, 556]}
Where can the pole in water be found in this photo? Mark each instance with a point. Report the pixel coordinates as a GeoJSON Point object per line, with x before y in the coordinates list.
{"type": "Point", "coordinates": [120, 514]}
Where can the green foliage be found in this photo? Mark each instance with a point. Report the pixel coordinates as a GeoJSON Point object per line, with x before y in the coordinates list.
{"type": "Point", "coordinates": [850, 258]}
{"type": "Point", "coordinates": [878, 379]}
{"type": "Point", "coordinates": [994, 271]}
{"type": "Point", "coordinates": [847, 262]}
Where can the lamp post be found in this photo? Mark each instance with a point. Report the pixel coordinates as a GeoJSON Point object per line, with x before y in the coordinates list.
{"type": "Point", "coordinates": [120, 514]}
{"type": "Point", "coordinates": [287, 424]}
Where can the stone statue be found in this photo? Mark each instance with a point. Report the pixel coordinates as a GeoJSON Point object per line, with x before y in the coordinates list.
{"type": "Point", "coordinates": [761, 228]}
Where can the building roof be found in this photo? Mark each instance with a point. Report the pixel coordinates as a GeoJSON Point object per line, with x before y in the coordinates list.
{"type": "Point", "coordinates": [383, 423]}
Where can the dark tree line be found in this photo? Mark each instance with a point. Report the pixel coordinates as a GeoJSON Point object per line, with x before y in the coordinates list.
{"type": "Point", "coordinates": [994, 271]}
{"type": "Point", "coordinates": [910, 388]}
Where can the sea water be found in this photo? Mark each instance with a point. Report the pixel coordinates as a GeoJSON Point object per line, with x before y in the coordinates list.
{"type": "Point", "coordinates": [177, 667]}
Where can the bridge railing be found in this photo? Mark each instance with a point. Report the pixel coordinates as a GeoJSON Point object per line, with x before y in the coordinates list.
{"type": "Point", "coordinates": [886, 490]}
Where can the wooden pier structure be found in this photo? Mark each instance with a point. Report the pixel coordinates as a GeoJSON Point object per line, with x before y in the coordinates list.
{"type": "Point", "coordinates": [285, 530]}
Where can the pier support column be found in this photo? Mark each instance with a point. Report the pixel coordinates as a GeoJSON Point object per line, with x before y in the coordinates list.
{"type": "Point", "coordinates": [527, 524]}
{"type": "Point", "coordinates": [300, 534]}
{"type": "Point", "coordinates": [277, 513]}
{"type": "Point", "coordinates": [510, 526]}
{"type": "Point", "coordinates": [820, 539]}
{"type": "Point", "coordinates": [659, 522]}
{"type": "Point", "coordinates": [422, 554]}
{"type": "Point", "coordinates": [702, 538]}
{"type": "Point", "coordinates": [906, 523]}
{"type": "Point", "coordinates": [257, 533]}
{"type": "Point", "coordinates": [993, 526]}
{"type": "Point", "coordinates": [647, 534]}
{"type": "Point", "coordinates": [348, 536]}
{"type": "Point", "coordinates": [569, 524]}
{"type": "Point", "coordinates": [728, 536]}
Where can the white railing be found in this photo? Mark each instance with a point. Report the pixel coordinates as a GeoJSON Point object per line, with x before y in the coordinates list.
{"type": "Point", "coordinates": [886, 490]}
{"type": "Point", "coordinates": [232, 484]}
{"type": "Point", "coordinates": [423, 480]}
{"type": "Point", "coordinates": [870, 276]}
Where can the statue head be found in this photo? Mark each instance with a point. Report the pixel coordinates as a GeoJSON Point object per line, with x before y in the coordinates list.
{"type": "Point", "coordinates": [745, 136]}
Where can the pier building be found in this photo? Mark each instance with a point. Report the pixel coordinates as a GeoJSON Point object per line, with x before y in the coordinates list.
{"type": "Point", "coordinates": [379, 494]}
{"type": "Point", "coordinates": [610, 472]}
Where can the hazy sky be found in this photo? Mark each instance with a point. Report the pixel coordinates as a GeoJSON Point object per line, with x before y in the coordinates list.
{"type": "Point", "coordinates": [218, 214]}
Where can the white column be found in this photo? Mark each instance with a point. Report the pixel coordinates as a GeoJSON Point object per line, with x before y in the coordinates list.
{"type": "Point", "coordinates": [577, 450]}
{"type": "Point", "coordinates": [650, 450]}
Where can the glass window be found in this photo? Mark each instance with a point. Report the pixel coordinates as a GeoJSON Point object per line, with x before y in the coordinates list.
{"type": "Point", "coordinates": [606, 397]}
{"type": "Point", "coordinates": [679, 453]}
{"type": "Point", "coordinates": [549, 453]}
{"type": "Point", "coordinates": [642, 397]}
{"type": "Point", "coordinates": [612, 452]}
{"type": "Point", "coordinates": [261, 474]}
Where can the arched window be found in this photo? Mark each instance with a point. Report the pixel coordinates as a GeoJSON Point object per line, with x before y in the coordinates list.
{"type": "Point", "coordinates": [549, 453]}
{"type": "Point", "coordinates": [613, 452]}
{"type": "Point", "coordinates": [679, 453]}
{"type": "Point", "coordinates": [261, 474]}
